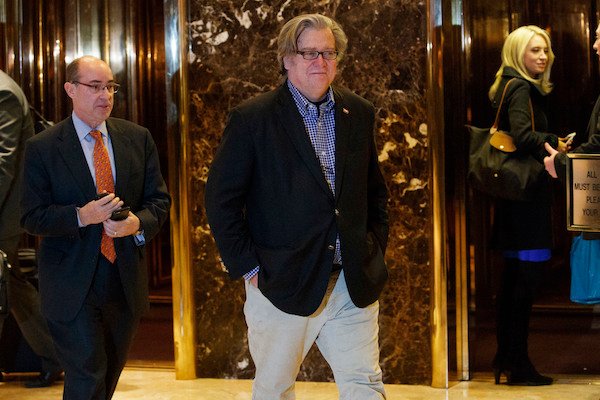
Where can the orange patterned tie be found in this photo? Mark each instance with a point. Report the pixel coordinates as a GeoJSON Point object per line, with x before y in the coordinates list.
{"type": "Point", "coordinates": [104, 182]}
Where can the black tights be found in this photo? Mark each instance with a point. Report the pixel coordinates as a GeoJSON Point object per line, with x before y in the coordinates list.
{"type": "Point", "coordinates": [520, 280]}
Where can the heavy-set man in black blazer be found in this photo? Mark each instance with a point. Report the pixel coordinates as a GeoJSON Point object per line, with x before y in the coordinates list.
{"type": "Point", "coordinates": [92, 302]}
{"type": "Point", "coordinates": [298, 206]}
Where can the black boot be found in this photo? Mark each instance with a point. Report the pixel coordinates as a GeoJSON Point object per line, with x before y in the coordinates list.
{"type": "Point", "coordinates": [525, 374]}
{"type": "Point", "coordinates": [504, 315]}
{"type": "Point", "coordinates": [519, 369]}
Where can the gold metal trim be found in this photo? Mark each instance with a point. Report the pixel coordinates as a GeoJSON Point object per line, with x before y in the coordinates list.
{"type": "Point", "coordinates": [461, 264]}
{"type": "Point", "coordinates": [461, 245]}
{"type": "Point", "coordinates": [581, 192]}
{"type": "Point", "coordinates": [435, 118]}
{"type": "Point", "coordinates": [184, 327]}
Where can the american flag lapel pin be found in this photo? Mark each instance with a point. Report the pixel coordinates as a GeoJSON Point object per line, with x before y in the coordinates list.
{"type": "Point", "coordinates": [345, 110]}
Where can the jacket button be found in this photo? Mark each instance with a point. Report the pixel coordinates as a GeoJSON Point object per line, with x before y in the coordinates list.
{"type": "Point", "coordinates": [337, 212]}
{"type": "Point", "coordinates": [331, 247]}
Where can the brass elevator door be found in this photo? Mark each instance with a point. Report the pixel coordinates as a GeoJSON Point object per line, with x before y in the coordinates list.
{"type": "Point", "coordinates": [561, 333]}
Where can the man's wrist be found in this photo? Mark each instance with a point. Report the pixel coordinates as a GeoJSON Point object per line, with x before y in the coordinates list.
{"type": "Point", "coordinates": [79, 221]}
{"type": "Point", "coordinates": [140, 229]}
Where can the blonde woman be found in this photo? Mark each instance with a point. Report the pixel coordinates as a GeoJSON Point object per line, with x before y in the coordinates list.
{"type": "Point", "coordinates": [522, 229]}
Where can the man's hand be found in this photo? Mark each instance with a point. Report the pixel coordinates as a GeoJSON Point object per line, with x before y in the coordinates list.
{"type": "Point", "coordinates": [125, 227]}
{"type": "Point", "coordinates": [549, 160]}
{"type": "Point", "coordinates": [97, 211]}
{"type": "Point", "coordinates": [254, 280]}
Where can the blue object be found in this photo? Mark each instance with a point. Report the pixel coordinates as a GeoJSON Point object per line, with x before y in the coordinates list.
{"type": "Point", "coordinates": [535, 255]}
{"type": "Point", "coordinates": [585, 271]}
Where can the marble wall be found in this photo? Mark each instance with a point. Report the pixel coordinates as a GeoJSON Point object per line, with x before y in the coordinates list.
{"type": "Point", "coordinates": [233, 57]}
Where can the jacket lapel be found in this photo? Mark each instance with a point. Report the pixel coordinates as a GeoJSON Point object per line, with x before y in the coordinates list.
{"type": "Point", "coordinates": [592, 128]}
{"type": "Point", "coordinates": [343, 126]}
{"type": "Point", "coordinates": [292, 123]}
{"type": "Point", "coordinates": [120, 144]}
{"type": "Point", "coordinates": [72, 154]}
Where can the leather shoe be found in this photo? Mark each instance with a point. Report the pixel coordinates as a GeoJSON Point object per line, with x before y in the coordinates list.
{"type": "Point", "coordinates": [45, 379]}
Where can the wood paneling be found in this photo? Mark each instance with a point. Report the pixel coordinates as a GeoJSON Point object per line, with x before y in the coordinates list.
{"type": "Point", "coordinates": [40, 37]}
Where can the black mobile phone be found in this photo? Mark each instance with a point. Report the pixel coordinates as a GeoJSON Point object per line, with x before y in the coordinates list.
{"type": "Point", "coordinates": [120, 214]}
{"type": "Point", "coordinates": [101, 195]}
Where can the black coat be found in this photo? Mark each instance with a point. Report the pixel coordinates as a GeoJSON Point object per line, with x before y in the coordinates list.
{"type": "Point", "coordinates": [56, 181]}
{"type": "Point", "coordinates": [592, 146]}
{"type": "Point", "coordinates": [268, 203]}
{"type": "Point", "coordinates": [520, 225]}
{"type": "Point", "coordinates": [16, 126]}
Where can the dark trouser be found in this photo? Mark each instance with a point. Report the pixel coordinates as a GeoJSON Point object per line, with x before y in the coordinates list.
{"type": "Point", "coordinates": [93, 347]}
{"type": "Point", "coordinates": [24, 302]}
{"type": "Point", "coordinates": [520, 280]}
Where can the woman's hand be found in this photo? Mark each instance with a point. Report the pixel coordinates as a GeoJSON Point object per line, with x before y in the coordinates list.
{"type": "Point", "coordinates": [549, 160]}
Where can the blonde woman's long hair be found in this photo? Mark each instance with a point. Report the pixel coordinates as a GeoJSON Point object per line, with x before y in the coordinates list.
{"type": "Point", "coordinates": [513, 52]}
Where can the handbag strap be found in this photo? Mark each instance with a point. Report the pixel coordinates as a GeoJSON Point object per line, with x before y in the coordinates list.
{"type": "Point", "coordinates": [495, 126]}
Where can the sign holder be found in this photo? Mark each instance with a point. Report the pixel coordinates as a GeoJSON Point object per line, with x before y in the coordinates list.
{"type": "Point", "coordinates": [583, 192]}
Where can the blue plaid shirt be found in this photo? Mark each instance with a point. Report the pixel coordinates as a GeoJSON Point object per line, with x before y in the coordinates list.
{"type": "Point", "coordinates": [320, 127]}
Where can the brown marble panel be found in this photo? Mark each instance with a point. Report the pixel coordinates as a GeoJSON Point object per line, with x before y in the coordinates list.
{"type": "Point", "coordinates": [233, 57]}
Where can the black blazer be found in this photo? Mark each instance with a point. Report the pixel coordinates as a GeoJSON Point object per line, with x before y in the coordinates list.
{"type": "Point", "coordinates": [16, 126]}
{"type": "Point", "coordinates": [268, 203]}
{"type": "Point", "coordinates": [56, 181]}
{"type": "Point", "coordinates": [591, 146]}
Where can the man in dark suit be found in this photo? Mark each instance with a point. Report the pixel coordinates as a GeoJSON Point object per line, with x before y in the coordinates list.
{"type": "Point", "coordinates": [16, 126]}
{"type": "Point", "coordinates": [555, 162]}
{"type": "Point", "coordinates": [298, 206]}
{"type": "Point", "coordinates": [92, 271]}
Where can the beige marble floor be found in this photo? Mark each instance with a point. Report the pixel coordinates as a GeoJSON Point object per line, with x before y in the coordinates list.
{"type": "Point", "coordinates": [160, 384]}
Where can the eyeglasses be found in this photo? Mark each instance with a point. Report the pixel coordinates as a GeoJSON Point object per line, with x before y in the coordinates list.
{"type": "Point", "coordinates": [313, 55]}
{"type": "Point", "coordinates": [98, 87]}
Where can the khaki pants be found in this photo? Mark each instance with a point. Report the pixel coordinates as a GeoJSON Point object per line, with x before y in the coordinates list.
{"type": "Point", "coordinates": [347, 337]}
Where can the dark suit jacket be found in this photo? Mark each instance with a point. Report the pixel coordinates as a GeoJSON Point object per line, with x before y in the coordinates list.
{"type": "Point", "coordinates": [591, 146]}
{"type": "Point", "coordinates": [268, 203]}
{"type": "Point", "coordinates": [56, 181]}
{"type": "Point", "coordinates": [16, 126]}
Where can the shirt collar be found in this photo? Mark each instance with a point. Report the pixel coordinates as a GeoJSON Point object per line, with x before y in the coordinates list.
{"type": "Point", "coordinates": [84, 129]}
{"type": "Point", "coordinates": [304, 105]}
